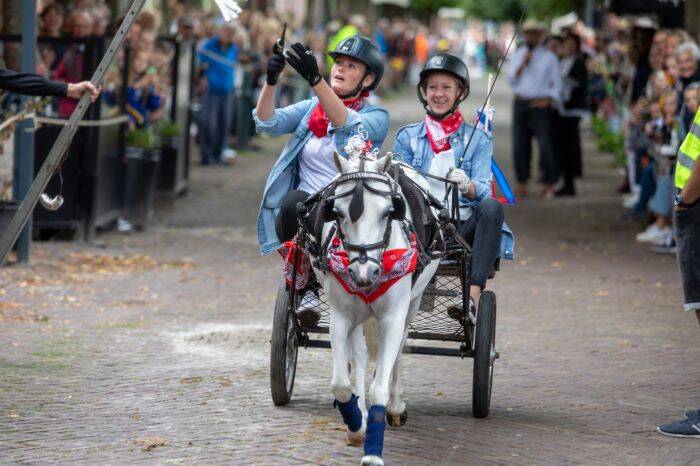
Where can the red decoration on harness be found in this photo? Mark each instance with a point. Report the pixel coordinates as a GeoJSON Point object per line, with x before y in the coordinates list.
{"type": "Point", "coordinates": [439, 131]}
{"type": "Point", "coordinates": [396, 263]}
{"type": "Point", "coordinates": [303, 264]}
{"type": "Point", "coordinates": [318, 122]}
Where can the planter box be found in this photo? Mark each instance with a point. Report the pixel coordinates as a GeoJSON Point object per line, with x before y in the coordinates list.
{"type": "Point", "coordinates": [141, 166]}
{"type": "Point", "coordinates": [167, 168]}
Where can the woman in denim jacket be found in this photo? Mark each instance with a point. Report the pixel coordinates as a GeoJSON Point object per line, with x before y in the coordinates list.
{"type": "Point", "coordinates": [319, 126]}
{"type": "Point", "coordinates": [435, 145]}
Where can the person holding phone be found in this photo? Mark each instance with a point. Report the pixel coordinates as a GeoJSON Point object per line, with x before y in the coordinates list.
{"type": "Point", "coordinates": [218, 55]}
{"type": "Point", "coordinates": [536, 81]}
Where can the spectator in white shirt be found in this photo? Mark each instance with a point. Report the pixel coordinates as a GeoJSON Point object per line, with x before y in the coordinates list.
{"type": "Point", "coordinates": [534, 76]}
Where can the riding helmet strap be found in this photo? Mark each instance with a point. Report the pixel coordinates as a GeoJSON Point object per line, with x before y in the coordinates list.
{"type": "Point", "coordinates": [438, 116]}
{"type": "Point", "coordinates": [358, 89]}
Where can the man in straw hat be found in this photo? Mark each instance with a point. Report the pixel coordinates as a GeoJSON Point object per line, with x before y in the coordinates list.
{"type": "Point", "coordinates": [534, 76]}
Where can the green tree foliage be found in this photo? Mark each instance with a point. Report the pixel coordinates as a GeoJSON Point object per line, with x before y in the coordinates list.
{"type": "Point", "coordinates": [432, 6]}
{"type": "Point", "coordinates": [504, 10]}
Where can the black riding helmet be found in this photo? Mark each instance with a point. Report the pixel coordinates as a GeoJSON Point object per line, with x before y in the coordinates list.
{"type": "Point", "coordinates": [444, 63]}
{"type": "Point", "coordinates": [361, 48]}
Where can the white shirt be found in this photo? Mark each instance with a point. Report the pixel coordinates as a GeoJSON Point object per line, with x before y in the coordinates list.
{"type": "Point", "coordinates": [540, 78]}
{"type": "Point", "coordinates": [316, 165]}
{"type": "Point", "coordinates": [440, 165]}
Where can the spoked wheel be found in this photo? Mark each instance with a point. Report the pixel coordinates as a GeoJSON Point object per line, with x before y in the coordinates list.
{"type": "Point", "coordinates": [484, 354]}
{"type": "Point", "coordinates": [285, 347]}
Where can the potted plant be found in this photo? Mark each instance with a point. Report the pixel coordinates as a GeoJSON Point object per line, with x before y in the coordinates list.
{"type": "Point", "coordinates": [142, 156]}
{"type": "Point", "coordinates": [171, 139]}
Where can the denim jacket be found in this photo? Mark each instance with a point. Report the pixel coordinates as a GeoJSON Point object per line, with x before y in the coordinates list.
{"type": "Point", "coordinates": [284, 175]}
{"type": "Point", "coordinates": [412, 147]}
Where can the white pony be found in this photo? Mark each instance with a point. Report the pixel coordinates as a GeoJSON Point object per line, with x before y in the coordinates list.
{"type": "Point", "coordinates": [365, 238]}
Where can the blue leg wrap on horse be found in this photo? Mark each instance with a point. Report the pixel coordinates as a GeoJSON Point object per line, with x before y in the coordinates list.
{"type": "Point", "coordinates": [374, 441]}
{"type": "Point", "coordinates": [352, 416]}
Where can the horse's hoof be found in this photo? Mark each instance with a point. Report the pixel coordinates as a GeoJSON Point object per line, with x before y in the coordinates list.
{"type": "Point", "coordinates": [397, 421]}
{"type": "Point", "coordinates": [357, 439]}
{"type": "Point", "coordinates": [372, 460]}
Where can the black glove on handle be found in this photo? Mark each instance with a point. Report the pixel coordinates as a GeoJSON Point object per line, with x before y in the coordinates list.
{"type": "Point", "coordinates": [305, 63]}
{"type": "Point", "coordinates": [275, 65]}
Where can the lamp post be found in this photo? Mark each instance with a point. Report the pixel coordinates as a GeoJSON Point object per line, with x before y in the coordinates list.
{"type": "Point", "coordinates": [25, 135]}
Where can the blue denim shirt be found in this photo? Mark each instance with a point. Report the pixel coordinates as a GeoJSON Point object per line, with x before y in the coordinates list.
{"type": "Point", "coordinates": [284, 175]}
{"type": "Point", "coordinates": [412, 147]}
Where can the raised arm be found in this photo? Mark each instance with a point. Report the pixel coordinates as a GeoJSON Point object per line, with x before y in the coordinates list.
{"type": "Point", "coordinates": [306, 65]}
{"type": "Point", "coordinates": [266, 101]}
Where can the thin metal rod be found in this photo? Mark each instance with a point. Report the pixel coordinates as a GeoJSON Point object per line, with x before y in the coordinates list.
{"type": "Point", "coordinates": [64, 139]}
{"type": "Point", "coordinates": [493, 84]}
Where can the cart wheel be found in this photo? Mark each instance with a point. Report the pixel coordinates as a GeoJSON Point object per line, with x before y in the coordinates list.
{"type": "Point", "coordinates": [285, 346]}
{"type": "Point", "coordinates": [484, 354]}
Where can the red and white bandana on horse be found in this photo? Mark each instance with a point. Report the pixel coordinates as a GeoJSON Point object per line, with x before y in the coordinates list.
{"type": "Point", "coordinates": [303, 265]}
{"type": "Point", "coordinates": [396, 263]}
{"type": "Point", "coordinates": [439, 131]}
{"type": "Point", "coordinates": [318, 122]}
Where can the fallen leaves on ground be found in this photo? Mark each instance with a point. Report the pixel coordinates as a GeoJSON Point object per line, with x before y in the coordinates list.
{"type": "Point", "coordinates": [51, 276]}
{"type": "Point", "coordinates": [149, 443]}
{"type": "Point", "coordinates": [195, 379]}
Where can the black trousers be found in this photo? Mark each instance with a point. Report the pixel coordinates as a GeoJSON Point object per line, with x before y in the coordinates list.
{"type": "Point", "coordinates": [483, 231]}
{"type": "Point", "coordinates": [286, 224]}
{"type": "Point", "coordinates": [528, 122]}
{"type": "Point", "coordinates": [687, 226]}
{"type": "Point", "coordinates": [567, 147]}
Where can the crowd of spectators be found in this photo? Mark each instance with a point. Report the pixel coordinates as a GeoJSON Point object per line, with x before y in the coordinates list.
{"type": "Point", "coordinates": [224, 53]}
{"type": "Point", "coordinates": [642, 83]}
{"type": "Point", "coordinates": [645, 89]}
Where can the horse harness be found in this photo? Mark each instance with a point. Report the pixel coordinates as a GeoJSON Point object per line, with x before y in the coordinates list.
{"type": "Point", "coordinates": [326, 198]}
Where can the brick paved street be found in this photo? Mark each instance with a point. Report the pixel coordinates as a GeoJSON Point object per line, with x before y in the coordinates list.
{"type": "Point", "coordinates": [154, 347]}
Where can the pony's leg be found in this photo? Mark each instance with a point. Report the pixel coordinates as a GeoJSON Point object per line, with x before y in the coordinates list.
{"type": "Point", "coordinates": [396, 411]}
{"type": "Point", "coordinates": [345, 400]}
{"type": "Point", "coordinates": [360, 358]}
{"type": "Point", "coordinates": [390, 342]}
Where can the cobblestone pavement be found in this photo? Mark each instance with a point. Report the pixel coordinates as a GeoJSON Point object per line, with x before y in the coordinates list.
{"type": "Point", "coordinates": [154, 347]}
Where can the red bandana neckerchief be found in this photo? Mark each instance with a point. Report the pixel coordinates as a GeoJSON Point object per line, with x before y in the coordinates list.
{"type": "Point", "coordinates": [439, 131]}
{"type": "Point", "coordinates": [318, 122]}
{"type": "Point", "coordinates": [286, 250]}
{"type": "Point", "coordinates": [396, 263]}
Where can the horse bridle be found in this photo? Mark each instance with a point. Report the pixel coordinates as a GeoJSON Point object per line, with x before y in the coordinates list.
{"type": "Point", "coordinates": [357, 206]}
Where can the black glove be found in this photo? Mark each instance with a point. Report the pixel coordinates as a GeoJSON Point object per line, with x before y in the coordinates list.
{"type": "Point", "coordinates": [305, 63]}
{"type": "Point", "coordinates": [275, 65]}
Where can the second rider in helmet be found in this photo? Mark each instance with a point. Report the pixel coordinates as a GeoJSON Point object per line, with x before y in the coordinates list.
{"type": "Point", "coordinates": [436, 145]}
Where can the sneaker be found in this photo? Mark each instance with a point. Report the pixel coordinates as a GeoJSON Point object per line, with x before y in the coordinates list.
{"type": "Point", "coordinates": [653, 233]}
{"type": "Point", "coordinates": [666, 245]}
{"type": "Point", "coordinates": [692, 414]}
{"type": "Point", "coordinates": [307, 310]}
{"type": "Point", "coordinates": [455, 312]}
{"type": "Point", "coordinates": [228, 156]}
{"type": "Point", "coordinates": [688, 427]}
{"type": "Point", "coordinates": [630, 200]}
{"type": "Point", "coordinates": [124, 226]}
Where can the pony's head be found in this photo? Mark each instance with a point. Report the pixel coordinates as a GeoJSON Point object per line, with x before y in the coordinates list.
{"type": "Point", "coordinates": [365, 202]}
